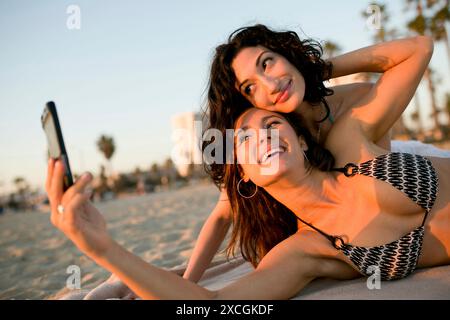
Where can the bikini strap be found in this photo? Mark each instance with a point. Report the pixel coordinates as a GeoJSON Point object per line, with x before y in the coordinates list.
{"type": "Point", "coordinates": [425, 217]}
{"type": "Point", "coordinates": [333, 239]}
{"type": "Point", "coordinates": [349, 170]}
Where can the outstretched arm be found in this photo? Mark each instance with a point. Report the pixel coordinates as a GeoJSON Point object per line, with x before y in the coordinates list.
{"type": "Point", "coordinates": [209, 240]}
{"type": "Point", "coordinates": [281, 274]}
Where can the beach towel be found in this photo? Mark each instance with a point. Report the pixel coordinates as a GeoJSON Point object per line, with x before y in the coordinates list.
{"type": "Point", "coordinates": [426, 283]}
{"type": "Point", "coordinates": [420, 148]}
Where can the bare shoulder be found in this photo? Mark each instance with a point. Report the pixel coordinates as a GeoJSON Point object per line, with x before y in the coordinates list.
{"type": "Point", "coordinates": [346, 96]}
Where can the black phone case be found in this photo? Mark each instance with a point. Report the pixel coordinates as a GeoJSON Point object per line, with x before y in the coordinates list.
{"type": "Point", "coordinates": [50, 107]}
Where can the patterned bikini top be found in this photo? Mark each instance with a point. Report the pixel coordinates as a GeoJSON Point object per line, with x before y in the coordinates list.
{"type": "Point", "coordinates": [415, 176]}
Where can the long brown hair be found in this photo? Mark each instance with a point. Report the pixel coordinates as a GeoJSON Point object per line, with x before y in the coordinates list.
{"type": "Point", "coordinates": [225, 102]}
{"type": "Point", "coordinates": [261, 222]}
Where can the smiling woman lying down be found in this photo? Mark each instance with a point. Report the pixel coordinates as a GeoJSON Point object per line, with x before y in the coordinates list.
{"type": "Point", "coordinates": [434, 283]}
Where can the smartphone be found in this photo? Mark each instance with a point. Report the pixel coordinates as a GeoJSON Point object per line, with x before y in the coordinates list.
{"type": "Point", "coordinates": [56, 147]}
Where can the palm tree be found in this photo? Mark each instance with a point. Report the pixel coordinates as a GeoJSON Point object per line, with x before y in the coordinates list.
{"type": "Point", "coordinates": [434, 79]}
{"type": "Point", "coordinates": [21, 185]}
{"type": "Point", "coordinates": [168, 163]}
{"type": "Point", "coordinates": [102, 187]}
{"type": "Point", "coordinates": [331, 49]}
{"type": "Point", "coordinates": [154, 169]}
{"type": "Point", "coordinates": [169, 171]}
{"type": "Point", "coordinates": [447, 109]}
{"type": "Point", "coordinates": [421, 25]}
{"type": "Point", "coordinates": [384, 34]}
{"type": "Point", "coordinates": [448, 104]}
{"type": "Point", "coordinates": [107, 146]}
{"type": "Point", "coordinates": [415, 116]}
{"type": "Point", "coordinates": [437, 23]}
{"type": "Point", "coordinates": [22, 189]}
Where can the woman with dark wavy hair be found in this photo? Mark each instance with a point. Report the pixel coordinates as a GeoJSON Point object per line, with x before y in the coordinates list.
{"type": "Point", "coordinates": [227, 94]}
{"type": "Point", "coordinates": [259, 221]}
{"type": "Point", "coordinates": [277, 71]}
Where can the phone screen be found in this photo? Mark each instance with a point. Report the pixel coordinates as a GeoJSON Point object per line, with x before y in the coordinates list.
{"type": "Point", "coordinates": [52, 136]}
{"type": "Point", "coordinates": [56, 148]}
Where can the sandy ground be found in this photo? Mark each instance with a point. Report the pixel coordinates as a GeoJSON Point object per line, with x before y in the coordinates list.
{"type": "Point", "coordinates": [159, 227]}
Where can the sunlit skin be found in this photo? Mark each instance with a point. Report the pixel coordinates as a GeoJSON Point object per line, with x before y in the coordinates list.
{"type": "Point", "coordinates": [260, 81]}
{"type": "Point", "coordinates": [262, 77]}
{"type": "Point", "coordinates": [365, 211]}
{"type": "Point", "coordinates": [253, 142]}
{"type": "Point", "coordinates": [388, 56]}
{"type": "Point", "coordinates": [270, 82]}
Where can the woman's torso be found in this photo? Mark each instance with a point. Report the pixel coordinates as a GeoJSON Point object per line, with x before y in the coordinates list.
{"type": "Point", "coordinates": [372, 212]}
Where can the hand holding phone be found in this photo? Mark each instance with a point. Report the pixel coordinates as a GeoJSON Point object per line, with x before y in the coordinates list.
{"type": "Point", "coordinates": [56, 147]}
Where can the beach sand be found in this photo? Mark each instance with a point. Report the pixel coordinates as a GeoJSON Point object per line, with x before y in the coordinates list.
{"type": "Point", "coordinates": [159, 227]}
{"type": "Point", "coordinates": [162, 229]}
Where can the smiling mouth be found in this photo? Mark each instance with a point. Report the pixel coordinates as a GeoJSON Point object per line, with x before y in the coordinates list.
{"type": "Point", "coordinates": [271, 153]}
{"type": "Point", "coordinates": [283, 95]}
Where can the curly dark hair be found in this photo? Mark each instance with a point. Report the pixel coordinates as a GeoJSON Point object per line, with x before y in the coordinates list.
{"type": "Point", "coordinates": [225, 103]}
{"type": "Point", "coordinates": [262, 222]}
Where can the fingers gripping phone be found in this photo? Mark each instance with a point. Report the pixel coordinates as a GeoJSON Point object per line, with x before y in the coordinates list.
{"type": "Point", "coordinates": [56, 147]}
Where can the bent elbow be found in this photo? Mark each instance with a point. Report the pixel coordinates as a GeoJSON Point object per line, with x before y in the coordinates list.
{"type": "Point", "coordinates": [426, 44]}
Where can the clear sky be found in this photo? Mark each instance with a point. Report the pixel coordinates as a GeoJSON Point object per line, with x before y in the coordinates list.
{"type": "Point", "coordinates": [131, 66]}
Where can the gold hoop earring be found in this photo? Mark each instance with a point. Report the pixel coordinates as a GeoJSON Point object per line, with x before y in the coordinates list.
{"type": "Point", "coordinates": [246, 197]}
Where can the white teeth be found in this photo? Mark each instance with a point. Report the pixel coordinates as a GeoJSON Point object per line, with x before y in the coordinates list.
{"type": "Point", "coordinates": [270, 153]}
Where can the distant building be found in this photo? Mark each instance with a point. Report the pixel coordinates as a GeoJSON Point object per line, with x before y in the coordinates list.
{"type": "Point", "coordinates": [187, 133]}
